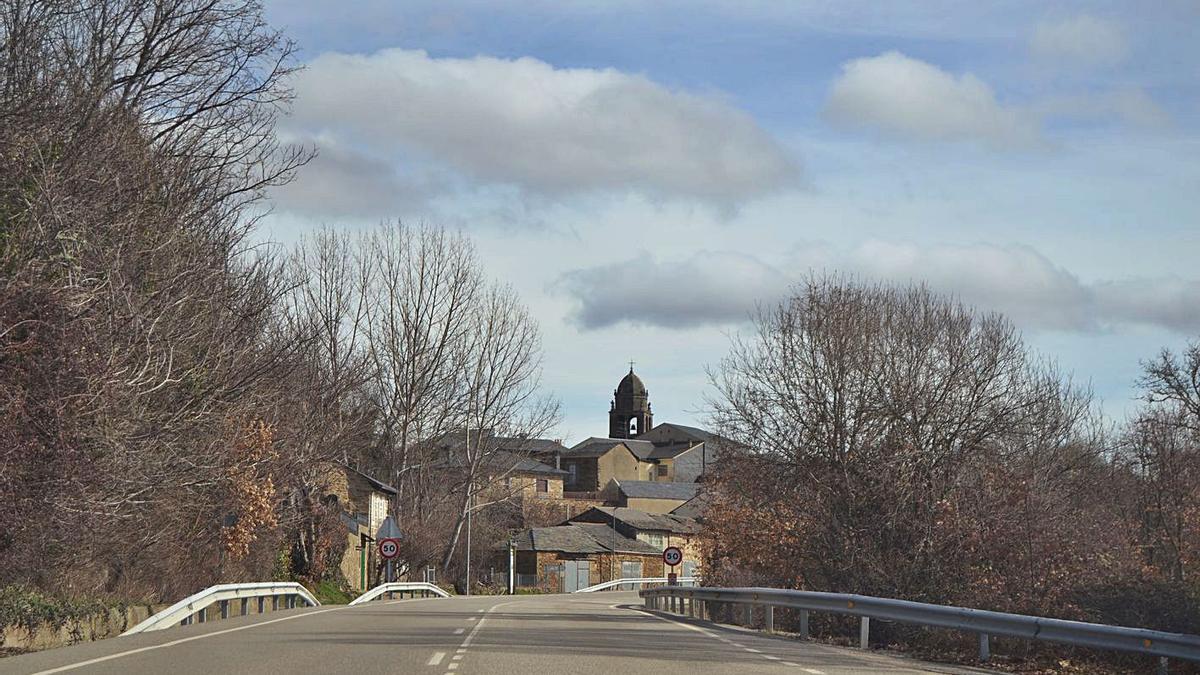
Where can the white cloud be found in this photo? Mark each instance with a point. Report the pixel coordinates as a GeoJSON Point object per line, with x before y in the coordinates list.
{"type": "Point", "coordinates": [1015, 280]}
{"type": "Point", "coordinates": [1018, 281]}
{"type": "Point", "coordinates": [1129, 105]}
{"type": "Point", "coordinates": [545, 130]}
{"type": "Point", "coordinates": [343, 182]}
{"type": "Point", "coordinates": [908, 98]}
{"type": "Point", "coordinates": [708, 287]}
{"type": "Point", "coordinates": [1082, 40]}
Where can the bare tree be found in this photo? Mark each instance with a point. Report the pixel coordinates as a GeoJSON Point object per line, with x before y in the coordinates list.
{"type": "Point", "coordinates": [499, 391]}
{"type": "Point", "coordinates": [874, 407]}
{"type": "Point", "coordinates": [136, 136]}
{"type": "Point", "coordinates": [422, 285]}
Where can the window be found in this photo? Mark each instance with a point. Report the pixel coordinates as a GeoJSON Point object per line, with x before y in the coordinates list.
{"type": "Point", "coordinates": [633, 427]}
{"type": "Point", "coordinates": [654, 539]}
{"type": "Point", "coordinates": [571, 470]}
{"type": "Point", "coordinates": [662, 470]}
{"type": "Point", "coordinates": [543, 485]}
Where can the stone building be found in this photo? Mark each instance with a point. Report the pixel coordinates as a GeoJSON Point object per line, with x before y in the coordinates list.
{"type": "Point", "coordinates": [593, 463]}
{"type": "Point", "coordinates": [651, 496]}
{"type": "Point", "coordinates": [364, 503]}
{"type": "Point", "coordinates": [659, 530]}
{"type": "Point", "coordinates": [565, 558]}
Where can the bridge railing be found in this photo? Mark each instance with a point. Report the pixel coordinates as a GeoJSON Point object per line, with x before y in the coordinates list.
{"type": "Point", "coordinates": [640, 581]}
{"type": "Point", "coordinates": [194, 608]}
{"type": "Point", "coordinates": [696, 603]}
{"type": "Point", "coordinates": [413, 588]}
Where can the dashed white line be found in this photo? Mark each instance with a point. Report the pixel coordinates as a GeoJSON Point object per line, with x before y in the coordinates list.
{"type": "Point", "coordinates": [459, 631]}
{"type": "Point", "coordinates": [452, 666]}
{"type": "Point", "coordinates": [436, 659]}
{"type": "Point", "coordinates": [456, 657]}
{"type": "Point", "coordinates": [813, 671]}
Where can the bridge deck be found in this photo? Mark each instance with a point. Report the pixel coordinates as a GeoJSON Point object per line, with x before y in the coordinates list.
{"type": "Point", "coordinates": [595, 634]}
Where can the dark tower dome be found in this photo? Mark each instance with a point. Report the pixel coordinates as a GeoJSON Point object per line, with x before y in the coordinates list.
{"type": "Point", "coordinates": [630, 413]}
{"type": "Point", "coordinates": [631, 385]}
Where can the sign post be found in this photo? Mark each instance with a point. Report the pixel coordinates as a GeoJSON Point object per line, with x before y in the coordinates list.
{"type": "Point", "coordinates": [672, 556]}
{"type": "Point", "coordinates": [388, 550]}
{"type": "Point", "coordinates": [389, 531]}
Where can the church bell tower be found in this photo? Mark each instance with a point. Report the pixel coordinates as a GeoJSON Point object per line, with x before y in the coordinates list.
{"type": "Point", "coordinates": [630, 415]}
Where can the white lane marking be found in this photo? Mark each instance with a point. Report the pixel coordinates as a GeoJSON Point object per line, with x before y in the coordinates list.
{"type": "Point", "coordinates": [452, 666]}
{"type": "Point", "coordinates": [456, 657]}
{"type": "Point", "coordinates": [472, 618]}
{"type": "Point", "coordinates": [471, 636]}
{"type": "Point", "coordinates": [459, 631]}
{"type": "Point", "coordinates": [180, 641]}
{"type": "Point", "coordinates": [727, 641]}
{"type": "Point", "coordinates": [436, 659]}
{"type": "Point", "coordinates": [460, 651]}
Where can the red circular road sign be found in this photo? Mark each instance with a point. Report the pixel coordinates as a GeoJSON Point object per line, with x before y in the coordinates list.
{"type": "Point", "coordinates": [389, 548]}
{"type": "Point", "coordinates": [672, 556]}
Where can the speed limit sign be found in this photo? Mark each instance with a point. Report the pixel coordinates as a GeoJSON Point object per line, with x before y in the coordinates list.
{"type": "Point", "coordinates": [672, 556]}
{"type": "Point", "coordinates": [389, 548]}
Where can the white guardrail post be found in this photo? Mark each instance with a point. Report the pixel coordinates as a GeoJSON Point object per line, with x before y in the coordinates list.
{"type": "Point", "coordinates": [194, 608]}
{"type": "Point", "coordinates": [984, 624]}
{"type": "Point", "coordinates": [413, 588]}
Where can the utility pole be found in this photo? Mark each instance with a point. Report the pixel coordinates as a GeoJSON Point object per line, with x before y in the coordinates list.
{"type": "Point", "coordinates": [470, 496]}
{"type": "Point", "coordinates": [470, 508]}
{"type": "Point", "coordinates": [512, 586]}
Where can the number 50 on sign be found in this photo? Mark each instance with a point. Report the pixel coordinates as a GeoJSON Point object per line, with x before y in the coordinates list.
{"type": "Point", "coordinates": [672, 556]}
{"type": "Point", "coordinates": [389, 548]}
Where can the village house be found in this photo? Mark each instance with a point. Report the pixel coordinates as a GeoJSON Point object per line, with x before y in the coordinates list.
{"type": "Point", "coordinates": [595, 462]}
{"type": "Point", "coordinates": [363, 503]}
{"type": "Point", "coordinates": [651, 496]}
{"type": "Point", "coordinates": [659, 530]}
{"type": "Point", "coordinates": [510, 469]}
{"type": "Point", "coordinates": [565, 558]}
{"type": "Point", "coordinates": [680, 453]}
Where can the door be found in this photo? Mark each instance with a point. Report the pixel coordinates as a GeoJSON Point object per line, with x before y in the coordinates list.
{"type": "Point", "coordinates": [631, 570]}
{"type": "Point", "coordinates": [575, 575]}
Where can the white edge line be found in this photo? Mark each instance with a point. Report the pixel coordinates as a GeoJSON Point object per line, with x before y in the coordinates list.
{"type": "Point", "coordinates": [172, 643]}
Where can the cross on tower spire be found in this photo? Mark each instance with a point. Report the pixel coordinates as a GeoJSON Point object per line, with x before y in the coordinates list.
{"type": "Point", "coordinates": [631, 366]}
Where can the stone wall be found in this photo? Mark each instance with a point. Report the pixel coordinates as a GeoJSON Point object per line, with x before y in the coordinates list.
{"type": "Point", "coordinates": [98, 627]}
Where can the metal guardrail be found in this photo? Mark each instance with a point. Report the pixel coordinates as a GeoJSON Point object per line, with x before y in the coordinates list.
{"type": "Point", "coordinates": [413, 587]}
{"type": "Point", "coordinates": [641, 581]}
{"type": "Point", "coordinates": [982, 622]}
{"type": "Point", "coordinates": [193, 608]}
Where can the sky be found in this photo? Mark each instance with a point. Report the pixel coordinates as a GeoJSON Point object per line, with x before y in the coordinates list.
{"type": "Point", "coordinates": [646, 174]}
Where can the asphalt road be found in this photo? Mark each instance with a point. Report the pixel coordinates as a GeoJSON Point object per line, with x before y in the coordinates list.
{"type": "Point", "coordinates": [590, 634]}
